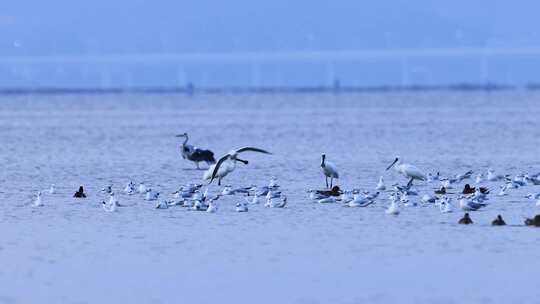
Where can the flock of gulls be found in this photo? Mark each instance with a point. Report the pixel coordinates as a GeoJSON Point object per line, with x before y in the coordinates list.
{"type": "Point", "coordinates": [446, 194]}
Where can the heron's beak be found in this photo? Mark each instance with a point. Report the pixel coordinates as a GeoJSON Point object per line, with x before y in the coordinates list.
{"type": "Point", "coordinates": [395, 161]}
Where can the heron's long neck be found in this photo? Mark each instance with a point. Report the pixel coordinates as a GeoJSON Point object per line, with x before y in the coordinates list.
{"type": "Point", "coordinates": [185, 140]}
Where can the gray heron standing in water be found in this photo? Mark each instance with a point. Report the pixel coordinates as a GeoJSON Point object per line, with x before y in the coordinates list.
{"type": "Point", "coordinates": [195, 154]}
{"type": "Point", "coordinates": [227, 164]}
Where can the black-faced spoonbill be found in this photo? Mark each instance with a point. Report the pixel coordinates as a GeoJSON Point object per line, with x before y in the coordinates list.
{"type": "Point", "coordinates": [409, 171]}
{"type": "Point", "coordinates": [329, 170]}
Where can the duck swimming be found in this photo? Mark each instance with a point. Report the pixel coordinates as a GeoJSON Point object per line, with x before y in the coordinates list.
{"type": "Point", "coordinates": [442, 190]}
{"type": "Point", "coordinates": [466, 220]}
{"type": "Point", "coordinates": [498, 221]}
{"type": "Point", "coordinates": [80, 193]}
{"type": "Point", "coordinates": [534, 221]}
{"type": "Point", "coordinates": [470, 190]}
{"type": "Point", "coordinates": [335, 191]}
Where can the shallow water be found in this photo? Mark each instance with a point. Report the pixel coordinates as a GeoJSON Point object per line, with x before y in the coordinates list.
{"type": "Point", "coordinates": [70, 251]}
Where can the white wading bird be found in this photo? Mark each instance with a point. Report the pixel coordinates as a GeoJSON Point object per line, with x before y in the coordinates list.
{"type": "Point", "coordinates": [409, 171]}
{"type": "Point", "coordinates": [329, 170]}
{"type": "Point", "coordinates": [37, 201]}
{"type": "Point", "coordinates": [227, 164]}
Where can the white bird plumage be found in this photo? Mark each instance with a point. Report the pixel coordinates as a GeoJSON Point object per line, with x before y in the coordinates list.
{"type": "Point", "coordinates": [227, 163]}
{"type": "Point", "coordinates": [409, 171]}
{"type": "Point", "coordinates": [329, 170]}
{"type": "Point", "coordinates": [37, 200]}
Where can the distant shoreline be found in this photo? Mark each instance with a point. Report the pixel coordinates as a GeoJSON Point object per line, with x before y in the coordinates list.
{"type": "Point", "coordinates": [464, 87]}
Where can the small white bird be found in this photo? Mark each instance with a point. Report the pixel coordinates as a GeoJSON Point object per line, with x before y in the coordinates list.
{"type": "Point", "coordinates": [360, 201]}
{"type": "Point", "coordinates": [479, 178]}
{"type": "Point", "coordinates": [467, 204]}
{"type": "Point", "coordinates": [492, 177]}
{"type": "Point", "coordinates": [327, 200]}
{"type": "Point", "coordinates": [113, 200]}
{"type": "Point", "coordinates": [227, 190]}
{"type": "Point", "coordinates": [279, 202]}
{"type": "Point", "coordinates": [428, 198]}
{"type": "Point", "coordinates": [409, 171]}
{"type": "Point", "coordinates": [329, 170]}
{"type": "Point", "coordinates": [346, 197]}
{"type": "Point", "coordinates": [444, 205]}
{"type": "Point", "coordinates": [241, 207]}
{"type": "Point", "coordinates": [142, 188]}
{"type": "Point", "coordinates": [107, 189]}
{"type": "Point", "coordinates": [212, 207]}
{"type": "Point", "coordinates": [393, 209]}
{"type": "Point", "coordinates": [130, 188]}
{"type": "Point", "coordinates": [162, 205]}
{"type": "Point", "coordinates": [273, 182]}
{"type": "Point", "coordinates": [254, 201]}
{"type": "Point", "coordinates": [151, 195]}
{"type": "Point", "coordinates": [108, 208]}
{"type": "Point", "coordinates": [380, 185]}
{"type": "Point", "coordinates": [37, 200]}
{"type": "Point", "coordinates": [52, 189]}
{"type": "Point", "coordinates": [502, 192]}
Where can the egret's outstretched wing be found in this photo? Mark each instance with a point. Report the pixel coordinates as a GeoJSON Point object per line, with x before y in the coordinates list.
{"type": "Point", "coordinates": [216, 168]}
{"type": "Point", "coordinates": [253, 149]}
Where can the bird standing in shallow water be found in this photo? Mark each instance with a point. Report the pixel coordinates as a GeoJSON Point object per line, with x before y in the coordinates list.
{"type": "Point", "coordinates": [409, 171]}
{"type": "Point", "coordinates": [329, 170]}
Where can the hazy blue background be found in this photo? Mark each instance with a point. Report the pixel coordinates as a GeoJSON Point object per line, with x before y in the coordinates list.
{"type": "Point", "coordinates": [100, 28]}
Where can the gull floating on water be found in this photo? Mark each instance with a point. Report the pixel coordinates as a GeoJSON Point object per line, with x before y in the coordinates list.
{"type": "Point", "coordinates": [380, 185]}
{"type": "Point", "coordinates": [151, 195]}
{"type": "Point", "coordinates": [162, 205]}
{"type": "Point", "coordinates": [241, 207]}
{"type": "Point", "coordinates": [393, 209]}
{"type": "Point", "coordinates": [492, 177]}
{"type": "Point", "coordinates": [130, 188]}
{"type": "Point", "coordinates": [254, 200]}
{"type": "Point", "coordinates": [467, 204]}
{"type": "Point", "coordinates": [279, 202]}
{"type": "Point", "coordinates": [360, 201]}
{"type": "Point", "coordinates": [427, 198]}
{"type": "Point", "coordinates": [142, 188]}
{"type": "Point", "coordinates": [37, 201]}
{"type": "Point", "coordinates": [108, 207]}
{"type": "Point", "coordinates": [445, 205]}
